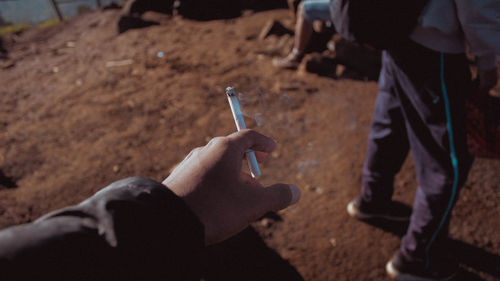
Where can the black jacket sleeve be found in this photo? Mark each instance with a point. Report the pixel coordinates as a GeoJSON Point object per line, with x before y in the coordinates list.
{"type": "Point", "coordinates": [134, 229]}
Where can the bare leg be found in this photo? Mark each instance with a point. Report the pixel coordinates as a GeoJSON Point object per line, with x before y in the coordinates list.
{"type": "Point", "coordinates": [303, 33]}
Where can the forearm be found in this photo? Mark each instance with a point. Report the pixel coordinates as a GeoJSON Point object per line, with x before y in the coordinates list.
{"type": "Point", "coordinates": [133, 229]}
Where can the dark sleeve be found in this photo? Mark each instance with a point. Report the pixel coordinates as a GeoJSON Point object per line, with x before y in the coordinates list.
{"type": "Point", "coordinates": [134, 229]}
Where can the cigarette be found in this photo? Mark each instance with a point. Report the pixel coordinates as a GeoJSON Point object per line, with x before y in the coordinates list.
{"type": "Point", "coordinates": [240, 125]}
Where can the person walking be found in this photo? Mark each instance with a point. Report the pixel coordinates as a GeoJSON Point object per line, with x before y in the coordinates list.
{"type": "Point", "coordinates": [420, 107]}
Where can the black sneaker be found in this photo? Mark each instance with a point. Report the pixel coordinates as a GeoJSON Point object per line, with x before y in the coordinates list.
{"type": "Point", "coordinates": [400, 269]}
{"type": "Point", "coordinates": [395, 211]}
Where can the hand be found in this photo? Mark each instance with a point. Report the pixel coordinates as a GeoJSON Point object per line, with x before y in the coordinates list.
{"type": "Point", "coordinates": [224, 198]}
{"type": "Point", "coordinates": [487, 79]}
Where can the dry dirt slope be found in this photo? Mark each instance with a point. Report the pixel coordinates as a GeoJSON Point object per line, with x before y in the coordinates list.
{"type": "Point", "coordinates": [69, 125]}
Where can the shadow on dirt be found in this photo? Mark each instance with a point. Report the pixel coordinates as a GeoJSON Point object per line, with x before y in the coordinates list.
{"type": "Point", "coordinates": [6, 181]}
{"type": "Point", "coordinates": [475, 258]}
{"type": "Point", "coordinates": [193, 9]}
{"type": "Point", "coordinates": [468, 255]}
{"type": "Point", "coordinates": [246, 257]}
{"type": "Point", "coordinates": [225, 9]}
{"type": "Point", "coordinates": [3, 51]}
{"type": "Point", "coordinates": [126, 22]}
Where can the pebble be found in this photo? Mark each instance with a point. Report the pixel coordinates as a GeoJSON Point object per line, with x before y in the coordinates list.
{"type": "Point", "coordinates": [265, 222]}
{"type": "Point", "coordinates": [317, 189]}
{"type": "Point", "coordinates": [339, 70]}
{"type": "Point", "coordinates": [333, 242]}
{"type": "Point", "coordinates": [8, 64]}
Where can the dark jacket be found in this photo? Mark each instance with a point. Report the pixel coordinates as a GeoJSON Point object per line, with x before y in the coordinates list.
{"type": "Point", "coordinates": [134, 229]}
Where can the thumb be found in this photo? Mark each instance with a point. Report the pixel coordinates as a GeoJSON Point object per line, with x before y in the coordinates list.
{"type": "Point", "coordinates": [280, 196]}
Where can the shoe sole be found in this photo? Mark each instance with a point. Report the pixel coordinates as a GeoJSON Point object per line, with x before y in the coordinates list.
{"type": "Point", "coordinates": [354, 212]}
{"type": "Point", "coordinates": [397, 275]}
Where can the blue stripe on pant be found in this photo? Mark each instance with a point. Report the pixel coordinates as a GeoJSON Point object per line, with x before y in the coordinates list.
{"type": "Point", "coordinates": [411, 113]}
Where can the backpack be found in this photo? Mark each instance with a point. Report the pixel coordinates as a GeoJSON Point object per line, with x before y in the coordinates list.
{"type": "Point", "coordinates": [379, 23]}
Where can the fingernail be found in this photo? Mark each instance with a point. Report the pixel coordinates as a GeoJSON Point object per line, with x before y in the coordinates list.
{"type": "Point", "coordinates": [295, 194]}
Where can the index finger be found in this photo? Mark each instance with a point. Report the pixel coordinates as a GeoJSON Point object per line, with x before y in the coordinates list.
{"type": "Point", "coordinates": [250, 139]}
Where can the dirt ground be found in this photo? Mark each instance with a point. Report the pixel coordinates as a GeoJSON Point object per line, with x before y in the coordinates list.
{"type": "Point", "coordinates": [83, 106]}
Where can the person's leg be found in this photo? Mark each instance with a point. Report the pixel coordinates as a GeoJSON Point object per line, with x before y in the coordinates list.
{"type": "Point", "coordinates": [308, 12]}
{"type": "Point", "coordinates": [387, 145]}
{"type": "Point", "coordinates": [386, 152]}
{"type": "Point", "coordinates": [303, 30]}
{"type": "Point", "coordinates": [432, 89]}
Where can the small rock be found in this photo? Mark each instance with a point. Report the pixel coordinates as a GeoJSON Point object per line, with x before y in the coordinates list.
{"type": "Point", "coordinates": [333, 242]}
{"type": "Point", "coordinates": [119, 63]}
{"type": "Point", "coordinates": [265, 222]}
{"type": "Point", "coordinates": [311, 90]}
{"type": "Point", "coordinates": [339, 70]}
{"type": "Point", "coordinates": [136, 72]}
{"type": "Point", "coordinates": [284, 86]}
{"type": "Point", "coordinates": [251, 37]}
{"type": "Point", "coordinates": [79, 82]}
{"type": "Point", "coordinates": [70, 44]}
{"type": "Point", "coordinates": [8, 64]}
{"type": "Point", "coordinates": [317, 189]}
{"type": "Point", "coordinates": [55, 69]}
{"type": "Point", "coordinates": [275, 154]}
{"type": "Point", "coordinates": [247, 13]}
{"type": "Point", "coordinates": [116, 168]}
